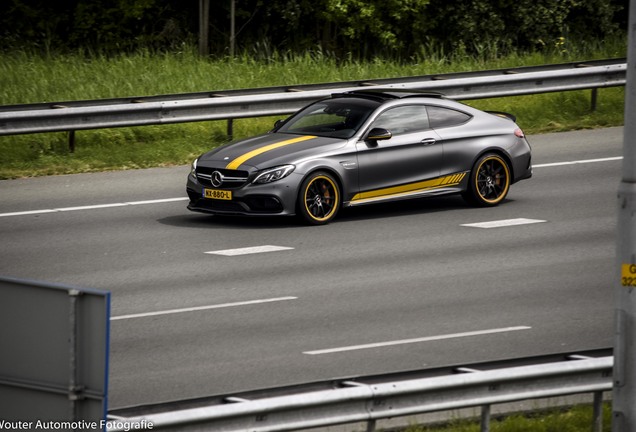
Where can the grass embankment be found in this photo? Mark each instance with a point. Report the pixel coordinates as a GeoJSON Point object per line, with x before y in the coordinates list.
{"type": "Point", "coordinates": [29, 78]}
{"type": "Point", "coordinates": [576, 419]}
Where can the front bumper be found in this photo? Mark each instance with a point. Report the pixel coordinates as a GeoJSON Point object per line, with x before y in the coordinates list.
{"type": "Point", "coordinates": [272, 199]}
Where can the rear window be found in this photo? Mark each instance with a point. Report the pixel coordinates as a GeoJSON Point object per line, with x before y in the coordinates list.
{"type": "Point", "coordinates": [440, 117]}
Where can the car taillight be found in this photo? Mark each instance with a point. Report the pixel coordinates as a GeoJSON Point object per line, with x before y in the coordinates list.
{"type": "Point", "coordinates": [519, 133]}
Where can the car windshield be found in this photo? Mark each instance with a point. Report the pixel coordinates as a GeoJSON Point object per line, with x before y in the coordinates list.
{"type": "Point", "coordinates": [337, 118]}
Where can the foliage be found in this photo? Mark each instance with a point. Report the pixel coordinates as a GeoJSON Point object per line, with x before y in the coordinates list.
{"type": "Point", "coordinates": [358, 29]}
{"type": "Point", "coordinates": [385, 23]}
{"type": "Point", "coordinates": [105, 26]}
{"type": "Point", "coordinates": [502, 26]}
{"type": "Point", "coordinates": [575, 419]}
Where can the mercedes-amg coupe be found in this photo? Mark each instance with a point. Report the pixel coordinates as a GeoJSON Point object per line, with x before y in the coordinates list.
{"type": "Point", "coordinates": [363, 147]}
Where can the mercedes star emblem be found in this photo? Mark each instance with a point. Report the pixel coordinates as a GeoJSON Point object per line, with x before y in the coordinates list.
{"type": "Point", "coordinates": [217, 179]}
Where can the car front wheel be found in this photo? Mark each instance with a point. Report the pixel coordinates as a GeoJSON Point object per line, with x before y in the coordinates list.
{"type": "Point", "coordinates": [489, 181]}
{"type": "Point", "coordinates": [319, 198]}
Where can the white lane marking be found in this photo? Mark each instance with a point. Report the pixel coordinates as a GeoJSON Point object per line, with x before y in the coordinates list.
{"type": "Point", "coordinates": [200, 308]}
{"type": "Point", "coordinates": [418, 340]}
{"type": "Point", "coordinates": [578, 162]}
{"type": "Point", "coordinates": [249, 250]}
{"type": "Point", "coordinates": [93, 207]}
{"type": "Point", "coordinates": [30, 212]}
{"type": "Point", "coordinates": [504, 223]}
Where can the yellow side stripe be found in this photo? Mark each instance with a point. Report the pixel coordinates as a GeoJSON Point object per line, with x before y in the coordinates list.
{"type": "Point", "coordinates": [454, 178]}
{"type": "Point", "coordinates": [451, 180]}
{"type": "Point", "coordinates": [249, 155]}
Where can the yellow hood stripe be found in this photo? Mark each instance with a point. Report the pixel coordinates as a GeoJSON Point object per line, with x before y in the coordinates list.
{"type": "Point", "coordinates": [249, 155]}
{"type": "Point", "coordinates": [451, 180]}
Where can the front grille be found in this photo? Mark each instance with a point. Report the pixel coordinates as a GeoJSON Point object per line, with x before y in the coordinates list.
{"type": "Point", "coordinates": [229, 179]}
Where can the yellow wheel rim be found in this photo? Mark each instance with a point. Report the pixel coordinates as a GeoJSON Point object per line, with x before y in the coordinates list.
{"type": "Point", "coordinates": [492, 179]}
{"type": "Point", "coordinates": [321, 198]}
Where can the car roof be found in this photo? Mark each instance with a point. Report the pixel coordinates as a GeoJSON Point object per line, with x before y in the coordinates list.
{"type": "Point", "coordinates": [388, 94]}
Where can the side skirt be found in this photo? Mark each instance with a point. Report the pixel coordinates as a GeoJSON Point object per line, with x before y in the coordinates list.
{"type": "Point", "coordinates": [436, 192]}
{"type": "Point", "coordinates": [440, 186]}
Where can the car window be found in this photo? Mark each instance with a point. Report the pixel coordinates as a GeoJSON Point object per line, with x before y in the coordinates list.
{"type": "Point", "coordinates": [316, 118]}
{"type": "Point", "coordinates": [338, 118]}
{"type": "Point", "coordinates": [440, 117]}
{"type": "Point", "coordinates": [403, 119]}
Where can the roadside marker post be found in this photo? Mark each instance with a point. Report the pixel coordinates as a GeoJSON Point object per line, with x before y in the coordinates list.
{"type": "Point", "coordinates": [624, 392]}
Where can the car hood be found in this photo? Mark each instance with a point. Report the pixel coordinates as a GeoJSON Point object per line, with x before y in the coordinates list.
{"type": "Point", "coordinates": [269, 150]}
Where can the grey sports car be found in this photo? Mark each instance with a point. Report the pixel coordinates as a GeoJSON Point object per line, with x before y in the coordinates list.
{"type": "Point", "coordinates": [359, 148]}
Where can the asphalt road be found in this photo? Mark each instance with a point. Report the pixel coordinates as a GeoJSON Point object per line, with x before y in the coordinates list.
{"type": "Point", "coordinates": [386, 288]}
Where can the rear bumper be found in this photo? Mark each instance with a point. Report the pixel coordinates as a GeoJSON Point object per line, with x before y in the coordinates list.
{"type": "Point", "coordinates": [522, 160]}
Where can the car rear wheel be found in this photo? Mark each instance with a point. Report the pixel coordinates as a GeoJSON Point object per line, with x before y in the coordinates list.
{"type": "Point", "coordinates": [489, 181]}
{"type": "Point", "coordinates": [319, 198]}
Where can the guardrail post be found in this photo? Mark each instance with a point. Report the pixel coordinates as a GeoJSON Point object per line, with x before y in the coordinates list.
{"type": "Point", "coordinates": [371, 426]}
{"type": "Point", "coordinates": [485, 418]}
{"type": "Point", "coordinates": [230, 129]}
{"type": "Point", "coordinates": [71, 141]}
{"type": "Point", "coordinates": [594, 99]}
{"type": "Point", "coordinates": [597, 414]}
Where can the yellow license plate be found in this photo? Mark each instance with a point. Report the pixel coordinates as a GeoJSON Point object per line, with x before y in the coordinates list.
{"type": "Point", "coordinates": [217, 194]}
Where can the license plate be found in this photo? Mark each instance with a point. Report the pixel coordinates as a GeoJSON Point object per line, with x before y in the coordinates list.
{"type": "Point", "coordinates": [217, 194]}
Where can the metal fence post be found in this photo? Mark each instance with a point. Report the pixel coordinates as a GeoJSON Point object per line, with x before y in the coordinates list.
{"type": "Point", "coordinates": [72, 382]}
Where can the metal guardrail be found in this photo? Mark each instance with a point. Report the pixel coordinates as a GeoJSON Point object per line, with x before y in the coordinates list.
{"type": "Point", "coordinates": [158, 110]}
{"type": "Point", "coordinates": [356, 402]}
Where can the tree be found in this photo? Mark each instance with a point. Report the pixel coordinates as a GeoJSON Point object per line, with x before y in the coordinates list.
{"type": "Point", "coordinates": [360, 29]}
{"type": "Point", "coordinates": [372, 27]}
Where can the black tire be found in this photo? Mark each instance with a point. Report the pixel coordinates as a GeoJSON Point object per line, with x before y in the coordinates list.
{"type": "Point", "coordinates": [319, 198]}
{"type": "Point", "coordinates": [489, 181]}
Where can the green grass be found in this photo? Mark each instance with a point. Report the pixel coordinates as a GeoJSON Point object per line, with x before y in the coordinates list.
{"type": "Point", "coordinates": [29, 78]}
{"type": "Point", "coordinates": [576, 419]}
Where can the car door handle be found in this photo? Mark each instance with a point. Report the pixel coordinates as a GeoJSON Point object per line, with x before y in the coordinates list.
{"type": "Point", "coordinates": [428, 141]}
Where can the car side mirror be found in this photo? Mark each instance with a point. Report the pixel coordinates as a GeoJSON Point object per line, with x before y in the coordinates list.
{"type": "Point", "coordinates": [378, 134]}
{"type": "Point", "coordinates": [278, 123]}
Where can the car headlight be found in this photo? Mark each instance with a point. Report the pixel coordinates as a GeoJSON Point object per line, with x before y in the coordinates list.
{"type": "Point", "coordinates": [193, 169]}
{"type": "Point", "coordinates": [273, 174]}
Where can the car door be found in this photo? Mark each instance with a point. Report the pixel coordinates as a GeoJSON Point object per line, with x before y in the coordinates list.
{"type": "Point", "coordinates": [461, 141]}
{"type": "Point", "coordinates": [413, 153]}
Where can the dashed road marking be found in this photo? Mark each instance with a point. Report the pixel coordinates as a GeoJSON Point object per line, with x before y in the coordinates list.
{"type": "Point", "coordinates": [504, 223]}
{"type": "Point", "coordinates": [418, 340]}
{"type": "Point", "coordinates": [201, 308]}
{"type": "Point", "coordinates": [249, 250]}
